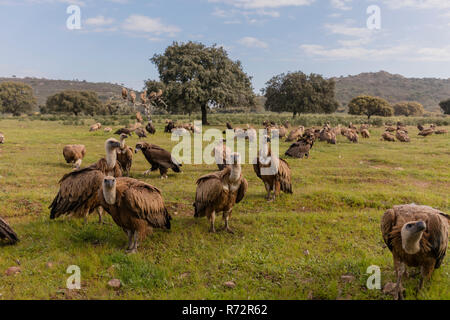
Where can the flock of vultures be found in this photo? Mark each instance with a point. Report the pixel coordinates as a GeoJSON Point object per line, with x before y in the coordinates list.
{"type": "Point", "coordinates": [416, 235]}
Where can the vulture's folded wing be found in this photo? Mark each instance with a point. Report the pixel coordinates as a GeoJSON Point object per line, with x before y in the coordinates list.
{"type": "Point", "coordinates": [438, 236]}
{"type": "Point", "coordinates": [284, 175]}
{"type": "Point", "coordinates": [78, 191]}
{"type": "Point", "coordinates": [209, 188]}
{"type": "Point", "coordinates": [6, 232]}
{"type": "Point", "coordinates": [388, 222]}
{"type": "Point", "coordinates": [242, 190]}
{"type": "Point", "coordinates": [144, 201]}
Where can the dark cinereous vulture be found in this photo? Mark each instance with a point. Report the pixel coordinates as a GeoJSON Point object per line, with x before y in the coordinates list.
{"type": "Point", "coordinates": [219, 191]}
{"type": "Point", "coordinates": [276, 178]}
{"type": "Point", "coordinates": [125, 155]}
{"type": "Point", "coordinates": [77, 195]}
{"type": "Point", "coordinates": [74, 153]}
{"type": "Point", "coordinates": [158, 158]}
{"type": "Point", "coordinates": [302, 147]}
{"type": "Point", "coordinates": [417, 237]}
{"type": "Point", "coordinates": [7, 233]}
{"type": "Point", "coordinates": [124, 130]}
{"type": "Point", "coordinates": [135, 206]}
{"type": "Point", "coordinates": [169, 126]}
{"type": "Point", "coordinates": [150, 127]}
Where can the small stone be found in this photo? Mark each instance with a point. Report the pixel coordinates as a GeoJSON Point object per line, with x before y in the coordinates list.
{"type": "Point", "coordinates": [348, 278]}
{"type": "Point", "coordinates": [175, 213]}
{"type": "Point", "coordinates": [12, 271]}
{"type": "Point", "coordinates": [306, 252]}
{"type": "Point", "coordinates": [49, 265]}
{"type": "Point", "coordinates": [114, 283]}
{"type": "Point", "coordinates": [230, 284]}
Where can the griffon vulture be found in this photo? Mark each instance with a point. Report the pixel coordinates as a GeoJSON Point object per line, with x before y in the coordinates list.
{"type": "Point", "coordinates": [402, 136]}
{"type": "Point", "coordinates": [274, 172]}
{"type": "Point", "coordinates": [222, 155]}
{"type": "Point", "coordinates": [139, 117]}
{"type": "Point", "coordinates": [135, 206]}
{"type": "Point", "coordinates": [77, 195]}
{"type": "Point", "coordinates": [124, 130]}
{"type": "Point", "coordinates": [124, 94]}
{"type": "Point", "coordinates": [441, 131]}
{"type": "Point", "coordinates": [426, 132]}
{"type": "Point", "coordinates": [140, 133]}
{"type": "Point", "coordinates": [95, 126]}
{"type": "Point", "coordinates": [417, 236]}
{"type": "Point", "coordinates": [74, 153]}
{"type": "Point", "coordinates": [387, 136]}
{"type": "Point", "coordinates": [133, 97]}
{"type": "Point", "coordinates": [7, 233]}
{"type": "Point", "coordinates": [219, 191]}
{"type": "Point", "coordinates": [125, 155]}
{"type": "Point", "coordinates": [365, 133]}
{"type": "Point", "coordinates": [2, 138]}
{"type": "Point", "coordinates": [158, 158]}
{"type": "Point", "coordinates": [144, 97]}
{"type": "Point", "coordinates": [295, 134]}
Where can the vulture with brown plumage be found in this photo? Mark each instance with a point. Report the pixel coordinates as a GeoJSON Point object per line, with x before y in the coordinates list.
{"type": "Point", "coordinates": [387, 136]}
{"type": "Point", "coordinates": [133, 97]}
{"type": "Point", "coordinates": [7, 233]}
{"type": "Point", "coordinates": [150, 127]}
{"type": "Point", "coordinates": [74, 153]}
{"type": "Point", "coordinates": [222, 154]}
{"type": "Point", "coordinates": [169, 126]}
{"type": "Point", "coordinates": [125, 155]}
{"type": "Point", "coordinates": [426, 132]}
{"type": "Point", "coordinates": [417, 236]}
{"type": "Point", "coordinates": [125, 131]}
{"type": "Point", "coordinates": [302, 147]}
{"type": "Point", "coordinates": [158, 158]}
{"type": "Point", "coordinates": [365, 133]}
{"type": "Point", "coordinates": [402, 136]}
{"type": "Point", "coordinates": [139, 117]}
{"type": "Point", "coordinates": [2, 138]}
{"type": "Point", "coordinates": [144, 97]}
{"type": "Point", "coordinates": [295, 134]}
{"type": "Point", "coordinates": [77, 195]}
{"type": "Point", "coordinates": [274, 172]}
{"type": "Point", "coordinates": [219, 192]}
{"type": "Point", "coordinates": [135, 206]}
{"type": "Point", "coordinates": [140, 133]}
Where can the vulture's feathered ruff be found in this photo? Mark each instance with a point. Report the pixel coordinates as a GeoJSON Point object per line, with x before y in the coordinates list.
{"type": "Point", "coordinates": [417, 237]}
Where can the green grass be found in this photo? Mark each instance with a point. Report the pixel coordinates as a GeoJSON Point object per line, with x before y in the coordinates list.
{"type": "Point", "coordinates": [340, 193]}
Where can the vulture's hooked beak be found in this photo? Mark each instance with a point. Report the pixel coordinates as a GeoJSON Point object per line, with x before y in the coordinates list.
{"type": "Point", "coordinates": [420, 226]}
{"type": "Point", "coordinates": [136, 150]}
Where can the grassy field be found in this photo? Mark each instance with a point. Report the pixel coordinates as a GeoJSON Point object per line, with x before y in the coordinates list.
{"type": "Point", "coordinates": [297, 247]}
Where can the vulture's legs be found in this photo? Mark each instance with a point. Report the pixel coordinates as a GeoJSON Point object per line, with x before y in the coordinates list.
{"type": "Point", "coordinates": [267, 189]}
{"type": "Point", "coordinates": [227, 216]}
{"type": "Point", "coordinates": [147, 172]}
{"type": "Point", "coordinates": [400, 267]}
{"type": "Point", "coordinates": [100, 215]}
{"type": "Point", "coordinates": [212, 219]}
{"type": "Point", "coordinates": [426, 272]}
{"type": "Point", "coordinates": [274, 188]}
{"type": "Point", "coordinates": [130, 240]}
{"type": "Point", "coordinates": [134, 239]}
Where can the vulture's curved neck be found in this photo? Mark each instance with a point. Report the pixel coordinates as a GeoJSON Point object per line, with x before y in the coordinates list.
{"type": "Point", "coordinates": [411, 244]}
{"type": "Point", "coordinates": [109, 193]}
{"type": "Point", "coordinates": [235, 173]}
{"type": "Point", "coordinates": [122, 143]}
{"type": "Point", "coordinates": [111, 158]}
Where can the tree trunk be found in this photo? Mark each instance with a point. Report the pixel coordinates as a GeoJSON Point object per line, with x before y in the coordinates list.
{"type": "Point", "coordinates": [294, 114]}
{"type": "Point", "coordinates": [204, 115]}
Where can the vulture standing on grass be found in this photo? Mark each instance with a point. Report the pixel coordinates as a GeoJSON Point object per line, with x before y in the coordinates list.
{"type": "Point", "coordinates": [441, 131]}
{"type": "Point", "coordinates": [219, 191]}
{"type": "Point", "coordinates": [124, 130]}
{"type": "Point", "coordinates": [387, 136]}
{"type": "Point", "coordinates": [426, 132]}
{"type": "Point", "coordinates": [133, 97]}
{"type": "Point", "coordinates": [402, 136]}
{"type": "Point", "coordinates": [95, 127]}
{"type": "Point", "coordinates": [139, 117]}
{"type": "Point", "coordinates": [74, 153]}
{"type": "Point", "coordinates": [417, 236]}
{"type": "Point", "coordinates": [140, 133]}
{"type": "Point", "coordinates": [2, 138]}
{"type": "Point", "coordinates": [276, 175]}
{"type": "Point", "coordinates": [7, 233]}
{"type": "Point", "coordinates": [420, 127]}
{"type": "Point", "coordinates": [158, 158]}
{"type": "Point", "coordinates": [144, 97]}
{"type": "Point", "coordinates": [135, 206]}
{"type": "Point", "coordinates": [77, 195]}
{"type": "Point", "coordinates": [169, 126]}
{"type": "Point", "coordinates": [150, 127]}
{"type": "Point", "coordinates": [352, 136]}
{"type": "Point", "coordinates": [295, 134]}
{"type": "Point", "coordinates": [125, 155]}
{"type": "Point", "coordinates": [365, 133]}
{"type": "Point", "coordinates": [302, 147]}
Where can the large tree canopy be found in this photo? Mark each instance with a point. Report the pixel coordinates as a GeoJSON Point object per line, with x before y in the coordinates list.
{"type": "Point", "coordinates": [16, 98]}
{"type": "Point", "coordinates": [445, 106]}
{"type": "Point", "coordinates": [299, 93]}
{"type": "Point", "coordinates": [370, 106]}
{"type": "Point", "coordinates": [76, 102]}
{"type": "Point", "coordinates": [197, 77]}
{"type": "Point", "coordinates": [408, 108]}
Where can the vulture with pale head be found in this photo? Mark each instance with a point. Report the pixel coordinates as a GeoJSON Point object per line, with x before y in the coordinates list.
{"type": "Point", "coordinates": [144, 97]}
{"type": "Point", "coordinates": [365, 133]}
{"type": "Point", "coordinates": [158, 158]}
{"type": "Point", "coordinates": [74, 153]}
{"type": "Point", "coordinates": [125, 155]}
{"type": "Point", "coordinates": [95, 127]}
{"type": "Point", "coordinates": [133, 97]}
{"type": "Point", "coordinates": [135, 206]}
{"type": "Point", "coordinates": [274, 172]}
{"type": "Point", "coordinates": [139, 117]}
{"type": "Point", "coordinates": [140, 133]}
{"type": "Point", "coordinates": [7, 233]}
{"type": "Point", "coordinates": [77, 195]}
{"type": "Point", "coordinates": [219, 191]}
{"type": "Point", "coordinates": [417, 236]}
{"type": "Point", "coordinates": [124, 94]}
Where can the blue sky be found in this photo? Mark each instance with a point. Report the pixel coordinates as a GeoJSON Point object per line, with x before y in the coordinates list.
{"type": "Point", "coordinates": [330, 37]}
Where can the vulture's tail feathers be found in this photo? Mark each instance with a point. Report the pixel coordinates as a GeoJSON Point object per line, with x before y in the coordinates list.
{"type": "Point", "coordinates": [7, 232]}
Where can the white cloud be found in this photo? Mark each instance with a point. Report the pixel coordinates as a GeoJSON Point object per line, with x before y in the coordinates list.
{"type": "Point", "coordinates": [361, 53]}
{"type": "Point", "coordinates": [418, 4]}
{"type": "Point", "coordinates": [251, 42]}
{"type": "Point", "coordinates": [99, 21]}
{"type": "Point", "coordinates": [341, 4]}
{"type": "Point", "coordinates": [138, 23]}
{"type": "Point", "coordinates": [259, 4]}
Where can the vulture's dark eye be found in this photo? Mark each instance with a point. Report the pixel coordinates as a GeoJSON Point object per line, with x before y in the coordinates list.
{"type": "Point", "coordinates": [409, 226]}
